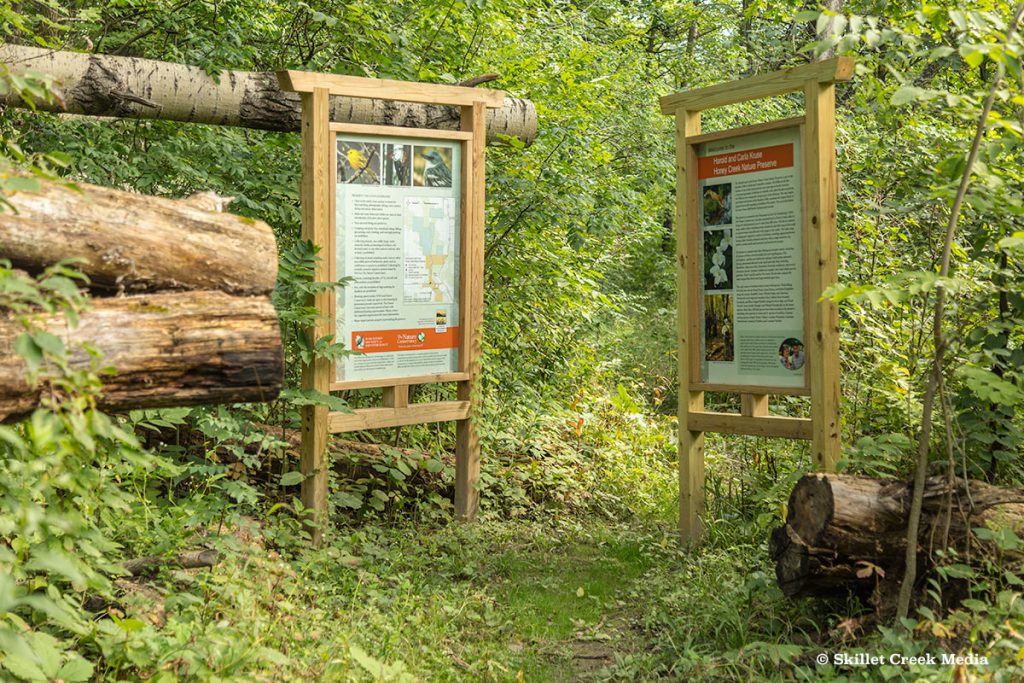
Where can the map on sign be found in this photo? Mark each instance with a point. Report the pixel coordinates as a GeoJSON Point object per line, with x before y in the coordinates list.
{"type": "Point", "coordinates": [430, 224]}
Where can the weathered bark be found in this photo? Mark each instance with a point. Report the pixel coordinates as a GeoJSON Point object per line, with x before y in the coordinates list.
{"type": "Point", "coordinates": [168, 349]}
{"type": "Point", "coordinates": [129, 87]}
{"type": "Point", "coordinates": [838, 525]}
{"type": "Point", "coordinates": [805, 570]}
{"type": "Point", "coordinates": [132, 242]}
{"type": "Point", "coordinates": [192, 559]}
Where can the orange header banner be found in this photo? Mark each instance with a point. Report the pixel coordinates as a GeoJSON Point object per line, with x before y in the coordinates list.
{"type": "Point", "coordinates": [384, 341]}
{"type": "Point", "coordinates": [746, 161]}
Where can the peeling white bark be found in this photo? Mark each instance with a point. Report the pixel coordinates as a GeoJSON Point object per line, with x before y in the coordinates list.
{"type": "Point", "coordinates": [130, 87]}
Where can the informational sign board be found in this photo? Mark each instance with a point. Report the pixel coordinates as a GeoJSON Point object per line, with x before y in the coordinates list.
{"type": "Point", "coordinates": [397, 237]}
{"type": "Point", "coordinates": [400, 212]}
{"type": "Point", "coordinates": [750, 247]}
{"type": "Point", "coordinates": [756, 246]}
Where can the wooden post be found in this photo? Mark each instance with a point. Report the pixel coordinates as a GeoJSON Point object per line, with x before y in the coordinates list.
{"type": "Point", "coordinates": [467, 442]}
{"type": "Point", "coordinates": [820, 197]}
{"type": "Point", "coordinates": [753, 405]}
{"type": "Point", "coordinates": [691, 443]}
{"type": "Point", "coordinates": [316, 223]}
{"type": "Point", "coordinates": [396, 397]}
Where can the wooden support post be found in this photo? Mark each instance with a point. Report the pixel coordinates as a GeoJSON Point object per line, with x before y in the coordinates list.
{"type": "Point", "coordinates": [691, 443]}
{"type": "Point", "coordinates": [316, 224]}
{"type": "Point", "coordinates": [396, 397]}
{"type": "Point", "coordinates": [754, 405]}
{"type": "Point", "coordinates": [467, 443]}
{"type": "Point", "coordinates": [820, 197]}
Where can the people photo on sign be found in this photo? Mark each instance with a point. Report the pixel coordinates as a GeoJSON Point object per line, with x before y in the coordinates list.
{"type": "Point", "coordinates": [791, 354]}
{"type": "Point", "coordinates": [358, 162]}
{"type": "Point", "coordinates": [717, 201]}
{"type": "Point", "coordinates": [718, 259]}
{"type": "Point", "coordinates": [432, 166]}
{"type": "Point", "coordinates": [398, 165]}
{"type": "Point", "coordinates": [718, 331]}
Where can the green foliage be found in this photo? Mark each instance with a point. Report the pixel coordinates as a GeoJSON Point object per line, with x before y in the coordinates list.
{"type": "Point", "coordinates": [579, 386]}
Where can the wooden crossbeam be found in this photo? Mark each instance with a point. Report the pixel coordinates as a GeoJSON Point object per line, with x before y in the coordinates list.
{"type": "Point", "coordinates": [417, 413]}
{"type": "Point", "coordinates": [754, 425]}
{"type": "Point", "coordinates": [384, 89]}
{"type": "Point", "coordinates": [756, 87]}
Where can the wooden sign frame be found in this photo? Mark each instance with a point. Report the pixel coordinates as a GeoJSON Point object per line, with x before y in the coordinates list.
{"type": "Point", "coordinates": [318, 215]}
{"type": "Point", "coordinates": [821, 318]}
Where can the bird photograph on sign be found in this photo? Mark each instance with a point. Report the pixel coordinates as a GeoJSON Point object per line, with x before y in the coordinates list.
{"type": "Point", "coordinates": [398, 165]}
{"type": "Point", "coordinates": [432, 166]}
{"type": "Point", "coordinates": [359, 162]}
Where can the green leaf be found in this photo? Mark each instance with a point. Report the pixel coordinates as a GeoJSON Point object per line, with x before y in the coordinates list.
{"type": "Point", "coordinates": [49, 343]}
{"type": "Point", "coordinates": [292, 478]}
{"type": "Point", "coordinates": [907, 94]}
{"type": "Point", "coordinates": [989, 387]}
{"type": "Point", "coordinates": [23, 668]}
{"type": "Point", "coordinates": [20, 183]}
{"type": "Point", "coordinates": [26, 347]}
{"type": "Point", "coordinates": [1015, 241]}
{"type": "Point", "coordinates": [972, 55]}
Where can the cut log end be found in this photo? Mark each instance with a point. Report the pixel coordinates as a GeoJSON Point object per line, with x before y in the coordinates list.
{"type": "Point", "coordinates": [812, 502]}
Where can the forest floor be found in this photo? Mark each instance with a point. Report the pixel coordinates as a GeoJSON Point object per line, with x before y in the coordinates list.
{"type": "Point", "coordinates": [507, 600]}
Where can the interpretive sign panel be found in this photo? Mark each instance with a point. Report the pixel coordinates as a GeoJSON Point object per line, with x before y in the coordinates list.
{"type": "Point", "coordinates": [750, 254]}
{"type": "Point", "coordinates": [397, 237]}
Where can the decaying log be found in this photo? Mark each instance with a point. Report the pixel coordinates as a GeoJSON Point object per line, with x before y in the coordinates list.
{"type": "Point", "coordinates": [168, 349]}
{"type": "Point", "coordinates": [130, 87]}
{"type": "Point", "coordinates": [845, 531]}
{"type": "Point", "coordinates": [132, 242]}
{"type": "Point", "coordinates": [192, 559]}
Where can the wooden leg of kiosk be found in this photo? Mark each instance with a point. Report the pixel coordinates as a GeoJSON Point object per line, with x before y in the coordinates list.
{"type": "Point", "coordinates": [691, 472]}
{"type": "Point", "coordinates": [467, 442]}
{"type": "Point", "coordinates": [316, 202]}
{"type": "Point", "coordinates": [820, 195]}
{"type": "Point", "coordinates": [691, 443]}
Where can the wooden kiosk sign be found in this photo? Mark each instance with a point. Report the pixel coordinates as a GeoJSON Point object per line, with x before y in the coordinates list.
{"type": "Point", "coordinates": [399, 211]}
{"type": "Point", "coordinates": [756, 247]}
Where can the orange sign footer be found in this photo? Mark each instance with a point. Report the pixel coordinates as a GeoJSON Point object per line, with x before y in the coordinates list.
{"type": "Point", "coordinates": [416, 339]}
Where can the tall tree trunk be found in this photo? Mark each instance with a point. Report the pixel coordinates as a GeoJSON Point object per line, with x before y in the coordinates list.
{"type": "Point", "coordinates": [130, 87]}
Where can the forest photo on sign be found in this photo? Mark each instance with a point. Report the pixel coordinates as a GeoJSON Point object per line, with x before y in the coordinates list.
{"type": "Point", "coordinates": [420, 340]}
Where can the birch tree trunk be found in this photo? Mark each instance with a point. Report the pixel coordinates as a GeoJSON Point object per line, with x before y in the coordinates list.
{"type": "Point", "coordinates": [130, 87]}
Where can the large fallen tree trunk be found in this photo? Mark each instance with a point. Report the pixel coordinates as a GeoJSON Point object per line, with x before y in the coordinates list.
{"type": "Point", "coordinates": [849, 531]}
{"type": "Point", "coordinates": [131, 242]}
{"type": "Point", "coordinates": [130, 87]}
{"type": "Point", "coordinates": [168, 349]}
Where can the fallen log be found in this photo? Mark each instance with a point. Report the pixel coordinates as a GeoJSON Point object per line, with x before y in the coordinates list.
{"type": "Point", "coordinates": [130, 87]}
{"type": "Point", "coordinates": [132, 242]}
{"type": "Point", "coordinates": [191, 559]}
{"type": "Point", "coordinates": [167, 349]}
{"type": "Point", "coordinates": [850, 531]}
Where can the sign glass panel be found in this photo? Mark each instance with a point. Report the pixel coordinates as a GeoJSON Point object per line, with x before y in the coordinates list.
{"type": "Point", "coordinates": [397, 222]}
{"type": "Point", "coordinates": [750, 251]}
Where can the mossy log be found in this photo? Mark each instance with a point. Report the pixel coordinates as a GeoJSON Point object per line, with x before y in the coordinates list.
{"type": "Point", "coordinates": [166, 349]}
